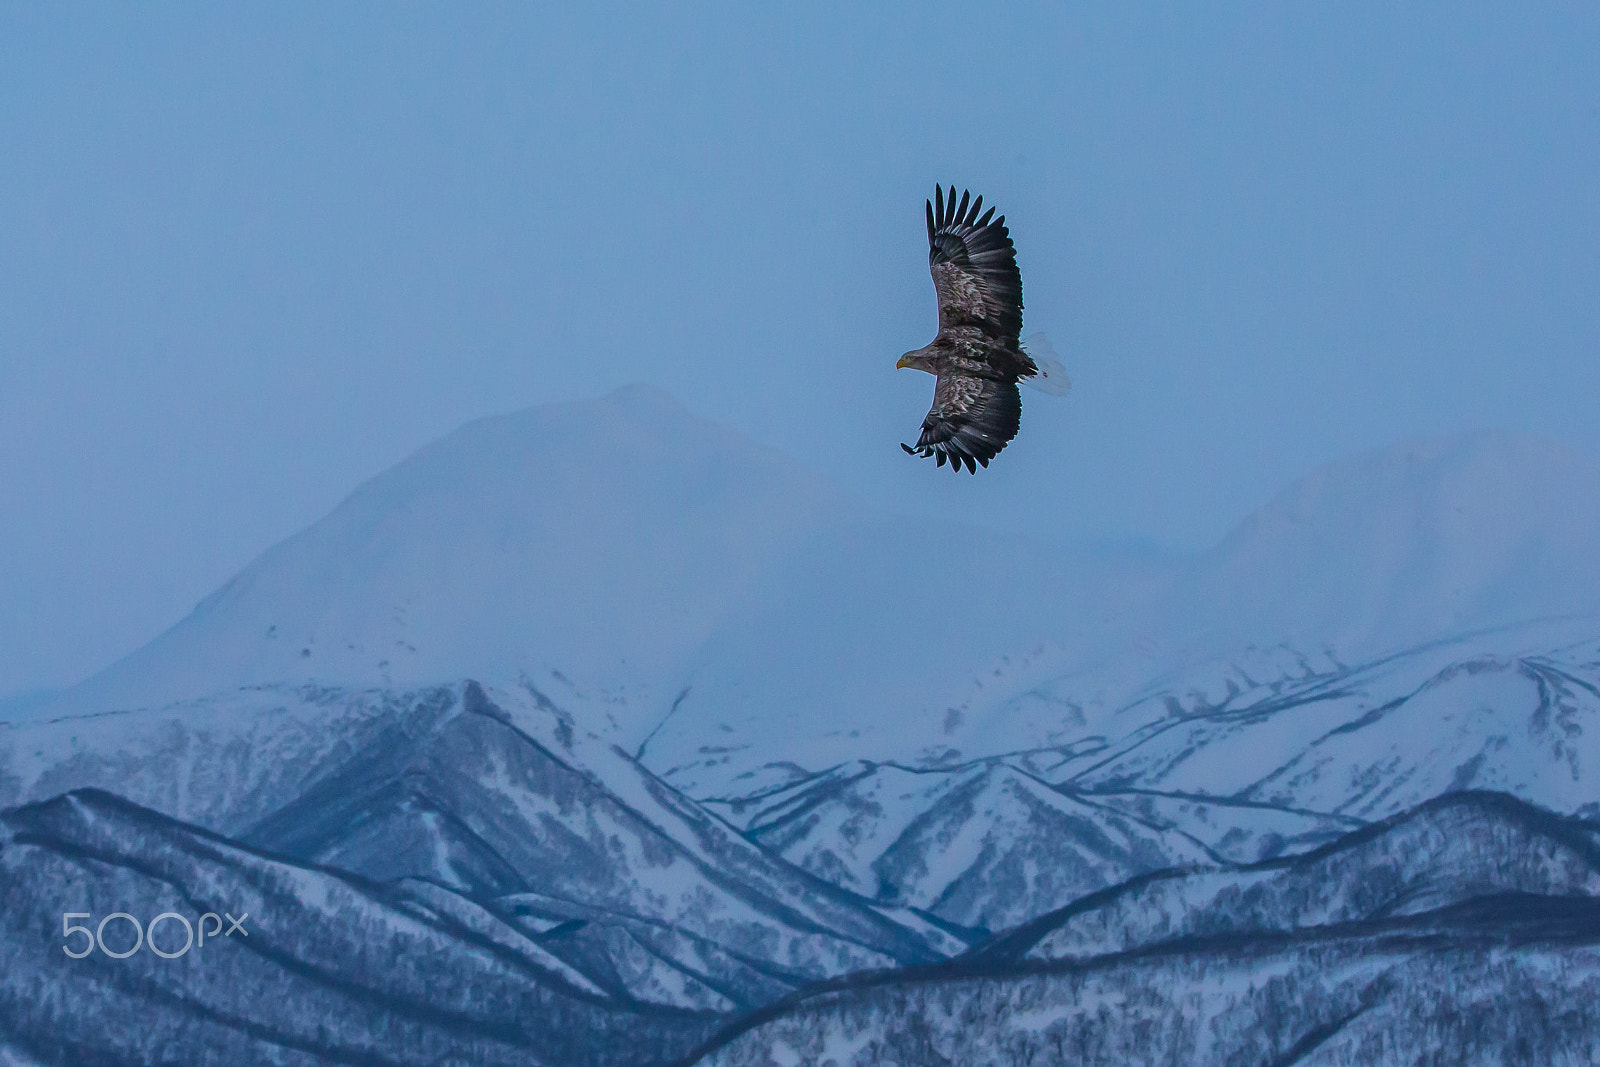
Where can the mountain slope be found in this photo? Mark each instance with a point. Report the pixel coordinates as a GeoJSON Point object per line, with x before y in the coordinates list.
{"type": "Point", "coordinates": [496, 796]}
{"type": "Point", "coordinates": [1467, 931]}
{"type": "Point", "coordinates": [1453, 850]}
{"type": "Point", "coordinates": [329, 968]}
{"type": "Point", "coordinates": [1377, 739]}
{"type": "Point", "coordinates": [982, 848]}
{"type": "Point", "coordinates": [1452, 990]}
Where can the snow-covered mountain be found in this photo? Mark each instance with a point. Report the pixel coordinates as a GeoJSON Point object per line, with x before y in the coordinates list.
{"type": "Point", "coordinates": [690, 590]}
{"type": "Point", "coordinates": [326, 968]}
{"type": "Point", "coordinates": [680, 584]}
{"type": "Point", "coordinates": [1453, 849]}
{"type": "Point", "coordinates": [1267, 771]}
{"type": "Point", "coordinates": [1424, 539]}
{"type": "Point", "coordinates": [650, 729]}
{"type": "Point", "coordinates": [1467, 931]}
{"type": "Point", "coordinates": [607, 540]}
{"type": "Point", "coordinates": [983, 847]}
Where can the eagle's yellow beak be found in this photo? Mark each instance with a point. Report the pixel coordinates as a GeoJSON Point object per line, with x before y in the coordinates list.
{"type": "Point", "coordinates": [905, 361]}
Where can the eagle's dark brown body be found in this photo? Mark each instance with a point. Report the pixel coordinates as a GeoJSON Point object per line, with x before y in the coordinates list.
{"type": "Point", "coordinates": [977, 356]}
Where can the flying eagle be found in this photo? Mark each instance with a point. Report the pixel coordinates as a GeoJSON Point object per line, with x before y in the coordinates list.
{"type": "Point", "coordinates": [978, 356]}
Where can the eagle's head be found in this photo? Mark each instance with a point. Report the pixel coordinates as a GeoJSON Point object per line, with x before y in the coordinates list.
{"type": "Point", "coordinates": [916, 360]}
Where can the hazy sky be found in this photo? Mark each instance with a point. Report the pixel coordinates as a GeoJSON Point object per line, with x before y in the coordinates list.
{"type": "Point", "coordinates": [255, 254]}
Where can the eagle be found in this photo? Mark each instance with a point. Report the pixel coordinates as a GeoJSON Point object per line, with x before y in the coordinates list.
{"type": "Point", "coordinates": [978, 356]}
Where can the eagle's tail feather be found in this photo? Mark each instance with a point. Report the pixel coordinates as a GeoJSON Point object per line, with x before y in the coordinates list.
{"type": "Point", "coordinates": [1052, 375]}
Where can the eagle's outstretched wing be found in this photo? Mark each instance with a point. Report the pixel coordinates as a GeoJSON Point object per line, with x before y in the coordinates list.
{"type": "Point", "coordinates": [974, 267]}
{"type": "Point", "coordinates": [971, 420]}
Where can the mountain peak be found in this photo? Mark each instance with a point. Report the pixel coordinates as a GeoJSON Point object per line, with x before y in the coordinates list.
{"type": "Point", "coordinates": [1425, 539]}
{"type": "Point", "coordinates": [600, 542]}
{"type": "Point", "coordinates": [1467, 474]}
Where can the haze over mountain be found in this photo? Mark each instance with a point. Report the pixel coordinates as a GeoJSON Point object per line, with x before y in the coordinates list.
{"type": "Point", "coordinates": [691, 588]}
{"type": "Point", "coordinates": [623, 552]}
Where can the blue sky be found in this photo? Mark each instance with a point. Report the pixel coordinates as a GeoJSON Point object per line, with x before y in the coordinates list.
{"type": "Point", "coordinates": [255, 255]}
